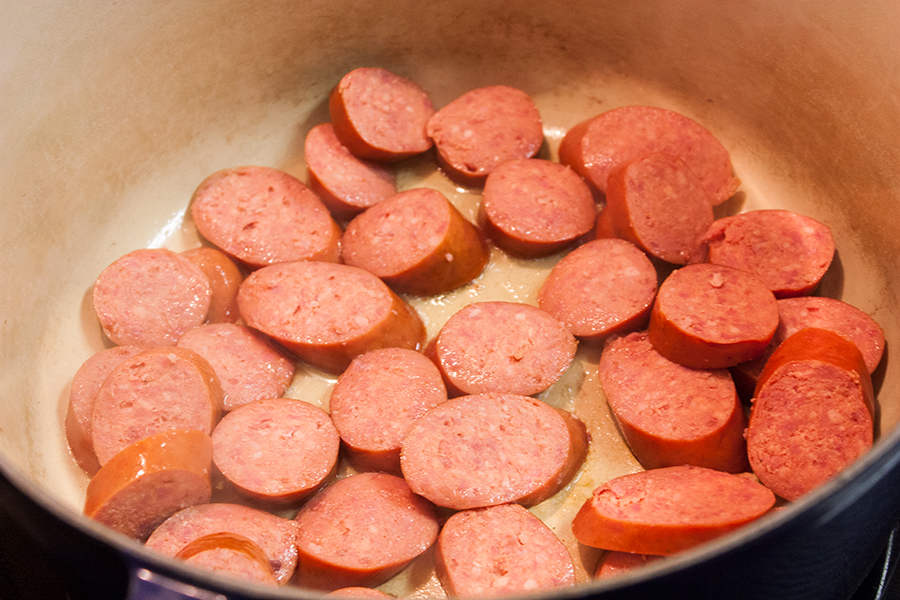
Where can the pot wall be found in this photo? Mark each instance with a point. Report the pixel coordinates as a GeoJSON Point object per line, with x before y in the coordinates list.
{"type": "Point", "coordinates": [114, 112]}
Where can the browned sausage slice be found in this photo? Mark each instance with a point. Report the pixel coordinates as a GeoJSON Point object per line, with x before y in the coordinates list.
{"type": "Point", "coordinates": [328, 314]}
{"type": "Point", "coordinates": [276, 535]}
{"type": "Point", "coordinates": [669, 414]}
{"type": "Point", "coordinates": [483, 128]}
{"type": "Point", "coordinates": [711, 316]}
{"type": "Point", "coordinates": [85, 387]}
{"type": "Point", "coordinates": [534, 207]}
{"type": "Point", "coordinates": [602, 144]}
{"type": "Point", "coordinates": [156, 390]}
{"type": "Point", "coordinates": [149, 481]}
{"type": "Point", "coordinates": [417, 242]}
{"type": "Point", "coordinates": [503, 347]}
{"type": "Point", "coordinates": [277, 450]}
{"type": "Point", "coordinates": [487, 552]}
{"type": "Point", "coordinates": [262, 216]}
{"type": "Point", "coordinates": [150, 297]}
{"type": "Point", "coordinates": [380, 115]}
{"type": "Point", "coordinates": [601, 288]}
{"type": "Point", "coordinates": [229, 554]}
{"type": "Point", "coordinates": [224, 279]}
{"type": "Point", "coordinates": [247, 363]}
{"type": "Point", "coordinates": [824, 313]}
{"type": "Point", "coordinates": [615, 563]}
{"type": "Point", "coordinates": [489, 449]}
{"type": "Point", "coordinates": [361, 531]}
{"type": "Point", "coordinates": [346, 183]}
{"type": "Point", "coordinates": [377, 399]}
{"type": "Point", "coordinates": [788, 251]}
{"type": "Point", "coordinates": [657, 203]}
{"type": "Point", "coordinates": [812, 412]}
{"type": "Point", "coordinates": [664, 511]}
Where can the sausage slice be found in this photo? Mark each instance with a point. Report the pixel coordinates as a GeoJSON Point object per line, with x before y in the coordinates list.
{"type": "Point", "coordinates": [487, 552]}
{"type": "Point", "coordinates": [615, 563]}
{"type": "Point", "coordinates": [664, 511]}
{"type": "Point", "coordinates": [229, 554]}
{"type": "Point", "coordinates": [489, 449]}
{"type": "Point", "coordinates": [669, 414]}
{"type": "Point", "coordinates": [150, 480]}
{"type": "Point", "coordinates": [812, 412]}
{"type": "Point", "coordinates": [224, 280]}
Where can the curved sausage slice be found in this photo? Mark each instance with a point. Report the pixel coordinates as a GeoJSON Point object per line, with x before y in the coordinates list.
{"type": "Point", "coordinates": [669, 414]}
{"type": "Point", "coordinates": [503, 347]}
{"type": "Point", "coordinates": [224, 280]}
{"type": "Point", "coordinates": [535, 207]}
{"type": "Point", "coordinates": [788, 251]}
{"type": "Point", "coordinates": [710, 317]}
{"type": "Point", "coordinates": [601, 288]}
{"type": "Point", "coordinates": [380, 115]}
{"type": "Point", "coordinates": [276, 535]}
{"type": "Point", "coordinates": [417, 242]}
{"type": "Point", "coordinates": [85, 387]}
{"type": "Point", "coordinates": [489, 449]}
{"type": "Point", "coordinates": [154, 391]}
{"type": "Point", "coordinates": [487, 552]}
{"type": "Point", "coordinates": [376, 401]}
{"type": "Point", "coordinates": [615, 563]}
{"type": "Point", "coordinates": [149, 481]}
{"type": "Point", "coordinates": [602, 144]}
{"type": "Point", "coordinates": [278, 450]}
{"type": "Point", "coordinates": [247, 363]}
{"type": "Point", "coordinates": [483, 128]}
{"type": "Point", "coordinates": [664, 511]}
{"type": "Point", "coordinates": [230, 554]}
{"type": "Point", "coordinates": [346, 183]}
{"type": "Point", "coordinates": [150, 298]}
{"type": "Point", "coordinates": [361, 531]}
{"type": "Point", "coordinates": [812, 413]}
{"type": "Point", "coordinates": [262, 216]}
{"type": "Point", "coordinates": [328, 314]}
{"type": "Point", "coordinates": [657, 203]}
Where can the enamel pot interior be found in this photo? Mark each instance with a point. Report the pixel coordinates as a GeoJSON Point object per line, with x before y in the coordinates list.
{"type": "Point", "coordinates": [114, 112]}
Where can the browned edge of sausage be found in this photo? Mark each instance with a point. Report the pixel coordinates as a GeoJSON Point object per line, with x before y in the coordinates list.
{"type": "Point", "coordinates": [231, 554]}
{"type": "Point", "coordinates": [225, 278]}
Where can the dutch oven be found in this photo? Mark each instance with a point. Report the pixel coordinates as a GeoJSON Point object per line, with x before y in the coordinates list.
{"type": "Point", "coordinates": [113, 112]}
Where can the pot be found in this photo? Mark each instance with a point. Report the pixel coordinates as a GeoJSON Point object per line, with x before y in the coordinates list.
{"type": "Point", "coordinates": [114, 112]}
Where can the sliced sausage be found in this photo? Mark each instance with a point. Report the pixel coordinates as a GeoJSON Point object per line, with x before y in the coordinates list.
{"type": "Point", "coordinates": [150, 297]}
{"type": "Point", "coordinates": [277, 450]}
{"type": "Point", "coordinates": [504, 347]}
{"type": "Point", "coordinates": [150, 480]}
{"type": "Point", "coordinates": [602, 144]}
{"type": "Point", "coordinates": [261, 216]}
{"type": "Point", "coordinates": [361, 531]}
{"type": "Point", "coordinates": [156, 390]}
{"type": "Point", "coordinates": [657, 203]}
{"type": "Point", "coordinates": [664, 511]}
{"type": "Point", "coordinates": [489, 449]}
{"type": "Point", "coordinates": [487, 552]}
{"type": "Point", "coordinates": [377, 399]}
{"type": "Point", "coordinates": [380, 115]}
{"type": "Point", "coordinates": [224, 279]}
{"type": "Point", "coordinates": [615, 563]}
{"type": "Point", "coordinates": [788, 251]}
{"type": "Point", "coordinates": [328, 314]}
{"type": "Point", "coordinates": [247, 363]}
{"type": "Point", "coordinates": [670, 414]}
{"type": "Point", "coordinates": [361, 592]}
{"type": "Point", "coordinates": [601, 288]}
{"type": "Point", "coordinates": [812, 412]}
{"type": "Point", "coordinates": [346, 183]}
{"type": "Point", "coordinates": [85, 387]}
{"type": "Point", "coordinates": [417, 242]}
{"type": "Point", "coordinates": [230, 554]}
{"type": "Point", "coordinates": [814, 311]}
{"type": "Point", "coordinates": [534, 207]}
{"type": "Point", "coordinates": [276, 535]}
{"type": "Point", "coordinates": [483, 128]}
{"type": "Point", "coordinates": [711, 317]}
